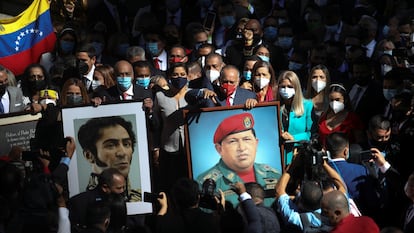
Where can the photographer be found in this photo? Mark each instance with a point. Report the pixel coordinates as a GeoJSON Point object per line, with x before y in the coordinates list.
{"type": "Point", "coordinates": [303, 213]}
{"type": "Point", "coordinates": [361, 186]}
{"type": "Point", "coordinates": [182, 213]}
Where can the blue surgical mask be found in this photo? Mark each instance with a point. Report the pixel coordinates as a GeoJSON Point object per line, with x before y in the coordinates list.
{"type": "Point", "coordinates": [264, 58]}
{"type": "Point", "coordinates": [285, 42]}
{"type": "Point", "coordinates": [294, 66]}
{"type": "Point", "coordinates": [98, 47]}
{"type": "Point", "coordinates": [227, 21]}
{"type": "Point", "coordinates": [247, 74]}
{"type": "Point", "coordinates": [124, 83]}
{"type": "Point", "coordinates": [152, 47]}
{"type": "Point", "coordinates": [385, 30]}
{"type": "Point", "coordinates": [143, 81]}
{"type": "Point", "coordinates": [389, 93]}
{"type": "Point", "coordinates": [270, 33]}
{"type": "Point", "coordinates": [67, 46]}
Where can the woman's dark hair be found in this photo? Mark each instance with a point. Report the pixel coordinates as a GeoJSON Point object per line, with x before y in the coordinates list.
{"type": "Point", "coordinates": [27, 86]}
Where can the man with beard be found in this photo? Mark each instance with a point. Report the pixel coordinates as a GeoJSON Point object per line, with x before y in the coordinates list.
{"type": "Point", "coordinates": [11, 98]}
{"type": "Point", "coordinates": [108, 142]}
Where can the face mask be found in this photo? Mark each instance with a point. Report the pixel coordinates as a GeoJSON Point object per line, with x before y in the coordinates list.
{"type": "Point", "coordinates": [389, 93]}
{"type": "Point", "coordinates": [98, 47]}
{"type": "Point", "coordinates": [247, 75]}
{"type": "Point", "coordinates": [122, 48]}
{"type": "Point", "coordinates": [385, 30]}
{"type": "Point", "coordinates": [152, 47]}
{"type": "Point", "coordinates": [287, 92]}
{"type": "Point", "coordinates": [39, 84]}
{"type": "Point", "coordinates": [143, 81]}
{"type": "Point", "coordinates": [82, 67]}
{"type": "Point", "coordinates": [74, 99]}
{"type": "Point", "coordinates": [389, 52]}
{"type": "Point", "coordinates": [95, 84]}
{"type": "Point", "coordinates": [261, 82]}
{"type": "Point", "coordinates": [270, 33]}
{"type": "Point", "coordinates": [175, 60]}
{"type": "Point", "coordinates": [294, 66]}
{"type": "Point", "coordinates": [318, 85]}
{"type": "Point", "coordinates": [67, 46]}
{"type": "Point", "coordinates": [227, 21]}
{"type": "Point", "coordinates": [321, 3]}
{"type": "Point", "coordinates": [198, 45]}
{"type": "Point", "coordinates": [124, 83]}
{"type": "Point", "coordinates": [381, 146]}
{"type": "Point", "coordinates": [212, 75]}
{"type": "Point", "coordinates": [48, 101]}
{"type": "Point", "coordinates": [281, 21]}
{"type": "Point", "coordinates": [385, 69]}
{"type": "Point", "coordinates": [331, 28]}
{"type": "Point", "coordinates": [179, 82]}
{"type": "Point", "coordinates": [196, 83]}
{"type": "Point", "coordinates": [2, 89]}
{"type": "Point", "coordinates": [363, 81]}
{"type": "Point", "coordinates": [285, 42]}
{"type": "Point", "coordinates": [264, 58]}
{"type": "Point", "coordinates": [228, 89]}
{"type": "Point", "coordinates": [336, 106]}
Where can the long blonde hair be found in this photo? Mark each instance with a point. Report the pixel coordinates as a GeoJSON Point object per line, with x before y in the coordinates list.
{"type": "Point", "coordinates": [297, 102]}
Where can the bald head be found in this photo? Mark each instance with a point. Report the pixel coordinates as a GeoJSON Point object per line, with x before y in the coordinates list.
{"type": "Point", "coordinates": [123, 69]}
{"type": "Point", "coordinates": [335, 206]}
{"type": "Point", "coordinates": [255, 26]}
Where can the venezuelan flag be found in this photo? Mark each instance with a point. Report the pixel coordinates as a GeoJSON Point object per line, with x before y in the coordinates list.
{"type": "Point", "coordinates": [24, 38]}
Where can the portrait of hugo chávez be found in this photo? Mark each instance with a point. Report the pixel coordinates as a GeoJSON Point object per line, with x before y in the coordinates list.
{"type": "Point", "coordinates": [109, 142]}
{"type": "Point", "coordinates": [236, 143]}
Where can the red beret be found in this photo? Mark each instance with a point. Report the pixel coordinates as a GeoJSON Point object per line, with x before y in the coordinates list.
{"type": "Point", "coordinates": [233, 124]}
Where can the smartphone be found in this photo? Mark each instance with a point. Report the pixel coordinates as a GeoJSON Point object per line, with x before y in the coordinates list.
{"type": "Point", "coordinates": [151, 197]}
{"type": "Point", "coordinates": [209, 21]}
{"type": "Point", "coordinates": [365, 155]}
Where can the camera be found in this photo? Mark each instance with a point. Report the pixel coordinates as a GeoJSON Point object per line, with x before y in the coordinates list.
{"type": "Point", "coordinates": [208, 194]}
{"type": "Point", "coordinates": [311, 159]}
{"type": "Point", "coordinates": [151, 197]}
{"type": "Point", "coordinates": [365, 155]}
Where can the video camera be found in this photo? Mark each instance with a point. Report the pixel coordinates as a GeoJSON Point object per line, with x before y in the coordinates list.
{"type": "Point", "coordinates": [207, 195]}
{"type": "Point", "coordinates": [311, 158]}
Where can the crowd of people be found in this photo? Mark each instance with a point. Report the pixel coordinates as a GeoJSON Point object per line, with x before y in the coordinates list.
{"type": "Point", "coordinates": [341, 71]}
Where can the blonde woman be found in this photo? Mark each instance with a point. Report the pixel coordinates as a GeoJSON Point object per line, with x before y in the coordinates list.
{"type": "Point", "coordinates": [296, 112]}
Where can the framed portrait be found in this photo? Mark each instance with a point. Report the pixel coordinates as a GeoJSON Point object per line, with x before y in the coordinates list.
{"type": "Point", "coordinates": [203, 127]}
{"type": "Point", "coordinates": [104, 137]}
{"type": "Point", "coordinates": [17, 129]}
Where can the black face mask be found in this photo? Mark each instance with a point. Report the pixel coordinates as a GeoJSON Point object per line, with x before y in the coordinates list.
{"type": "Point", "coordinates": [82, 67]}
{"type": "Point", "coordinates": [398, 115]}
{"type": "Point", "coordinates": [196, 83]}
{"type": "Point", "coordinates": [2, 89]}
{"type": "Point", "coordinates": [363, 81]}
{"type": "Point", "coordinates": [38, 85]}
{"type": "Point", "coordinates": [381, 146]}
{"type": "Point", "coordinates": [178, 82]}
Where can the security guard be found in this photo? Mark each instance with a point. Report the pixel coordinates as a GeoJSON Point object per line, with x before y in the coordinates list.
{"type": "Point", "coordinates": [235, 140]}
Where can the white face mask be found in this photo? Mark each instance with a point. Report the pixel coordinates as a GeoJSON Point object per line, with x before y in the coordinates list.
{"type": "Point", "coordinates": [95, 84]}
{"type": "Point", "coordinates": [212, 75]}
{"type": "Point", "coordinates": [336, 106]}
{"type": "Point", "coordinates": [385, 69]}
{"type": "Point", "coordinates": [287, 92]}
{"type": "Point", "coordinates": [48, 101]}
{"type": "Point", "coordinates": [262, 82]}
{"type": "Point", "coordinates": [318, 85]}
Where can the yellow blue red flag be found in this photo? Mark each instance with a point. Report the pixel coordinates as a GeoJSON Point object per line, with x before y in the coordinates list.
{"type": "Point", "coordinates": [24, 38]}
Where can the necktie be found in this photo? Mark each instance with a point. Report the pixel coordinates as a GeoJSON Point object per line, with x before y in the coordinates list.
{"type": "Point", "coordinates": [357, 95]}
{"type": "Point", "coordinates": [1, 107]}
{"type": "Point", "coordinates": [228, 100]}
{"type": "Point", "coordinates": [156, 63]}
{"type": "Point", "coordinates": [124, 96]}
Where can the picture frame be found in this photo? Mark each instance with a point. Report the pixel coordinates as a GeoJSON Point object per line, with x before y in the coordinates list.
{"type": "Point", "coordinates": [80, 168]}
{"type": "Point", "coordinates": [17, 129]}
{"type": "Point", "coordinates": [201, 125]}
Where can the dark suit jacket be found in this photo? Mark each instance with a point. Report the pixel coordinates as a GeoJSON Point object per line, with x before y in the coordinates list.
{"type": "Point", "coordinates": [361, 186]}
{"type": "Point", "coordinates": [371, 103]}
{"type": "Point", "coordinates": [409, 227]}
{"type": "Point", "coordinates": [140, 93]}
